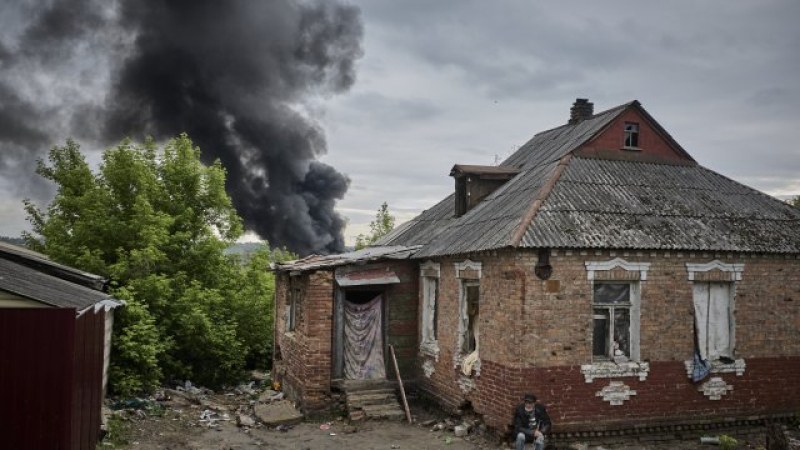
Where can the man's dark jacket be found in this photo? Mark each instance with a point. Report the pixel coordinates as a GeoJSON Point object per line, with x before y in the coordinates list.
{"type": "Point", "coordinates": [522, 419]}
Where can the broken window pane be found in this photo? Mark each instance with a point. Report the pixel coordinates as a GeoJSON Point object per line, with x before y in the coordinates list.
{"type": "Point", "coordinates": [622, 330]}
{"type": "Point", "coordinates": [471, 330]}
{"type": "Point", "coordinates": [600, 333]}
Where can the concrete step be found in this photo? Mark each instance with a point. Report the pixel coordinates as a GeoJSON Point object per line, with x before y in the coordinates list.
{"type": "Point", "coordinates": [367, 385]}
{"type": "Point", "coordinates": [371, 397]}
{"type": "Point", "coordinates": [383, 411]}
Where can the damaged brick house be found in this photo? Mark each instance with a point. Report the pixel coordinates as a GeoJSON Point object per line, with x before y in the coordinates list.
{"type": "Point", "coordinates": [600, 266]}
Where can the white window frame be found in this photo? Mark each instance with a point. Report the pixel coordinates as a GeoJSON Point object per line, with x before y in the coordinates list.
{"type": "Point", "coordinates": [458, 354]}
{"type": "Point", "coordinates": [430, 272]}
{"type": "Point", "coordinates": [631, 135]}
{"type": "Point", "coordinates": [634, 367]}
{"type": "Point", "coordinates": [734, 273]}
{"type": "Point", "coordinates": [634, 313]}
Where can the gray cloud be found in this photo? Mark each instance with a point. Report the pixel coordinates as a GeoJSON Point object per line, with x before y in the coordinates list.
{"type": "Point", "coordinates": [449, 82]}
{"type": "Point", "coordinates": [240, 77]}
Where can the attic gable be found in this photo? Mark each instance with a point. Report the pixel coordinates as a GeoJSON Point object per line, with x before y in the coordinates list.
{"type": "Point", "coordinates": [634, 135]}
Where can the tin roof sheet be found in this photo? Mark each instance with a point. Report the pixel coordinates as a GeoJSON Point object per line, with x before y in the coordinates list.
{"type": "Point", "coordinates": [597, 203]}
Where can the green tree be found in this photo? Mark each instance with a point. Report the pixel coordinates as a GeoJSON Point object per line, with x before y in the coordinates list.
{"type": "Point", "coordinates": [156, 223]}
{"type": "Point", "coordinates": [381, 226]}
{"type": "Point", "coordinates": [796, 201]}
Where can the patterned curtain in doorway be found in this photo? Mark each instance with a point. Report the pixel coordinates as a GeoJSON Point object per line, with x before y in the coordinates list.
{"type": "Point", "coordinates": [363, 341]}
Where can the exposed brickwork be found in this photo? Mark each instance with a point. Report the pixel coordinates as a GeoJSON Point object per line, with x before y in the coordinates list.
{"type": "Point", "coordinates": [535, 334]}
{"type": "Point", "coordinates": [305, 364]}
{"type": "Point", "coordinates": [610, 142]}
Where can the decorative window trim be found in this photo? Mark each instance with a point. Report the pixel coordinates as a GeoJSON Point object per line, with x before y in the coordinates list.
{"type": "Point", "coordinates": [610, 369]}
{"type": "Point", "coordinates": [633, 368]}
{"type": "Point", "coordinates": [468, 264]}
{"type": "Point", "coordinates": [616, 393]}
{"type": "Point", "coordinates": [428, 347]}
{"type": "Point", "coordinates": [735, 269]}
{"type": "Point", "coordinates": [458, 355]}
{"type": "Point", "coordinates": [738, 367]}
{"type": "Point", "coordinates": [430, 266]}
{"type": "Point", "coordinates": [595, 266]}
{"type": "Point", "coordinates": [715, 388]}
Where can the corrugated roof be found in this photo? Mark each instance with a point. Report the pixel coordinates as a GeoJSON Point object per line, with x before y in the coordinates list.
{"type": "Point", "coordinates": [598, 203]}
{"type": "Point", "coordinates": [41, 262]}
{"type": "Point", "coordinates": [491, 224]}
{"type": "Point", "coordinates": [37, 285]}
{"type": "Point", "coordinates": [315, 262]}
{"type": "Point", "coordinates": [622, 204]}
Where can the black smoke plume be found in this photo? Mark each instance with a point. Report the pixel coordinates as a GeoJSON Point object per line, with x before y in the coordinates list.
{"type": "Point", "coordinates": [236, 75]}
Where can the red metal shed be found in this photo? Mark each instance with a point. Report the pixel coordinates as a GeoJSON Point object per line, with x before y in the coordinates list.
{"type": "Point", "coordinates": [55, 329]}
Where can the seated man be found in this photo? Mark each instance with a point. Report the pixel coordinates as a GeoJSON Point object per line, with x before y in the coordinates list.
{"type": "Point", "coordinates": [531, 423]}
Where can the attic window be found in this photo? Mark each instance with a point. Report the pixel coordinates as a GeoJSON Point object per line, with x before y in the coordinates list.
{"type": "Point", "coordinates": [631, 135]}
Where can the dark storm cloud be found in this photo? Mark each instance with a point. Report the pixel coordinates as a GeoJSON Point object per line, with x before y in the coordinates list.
{"type": "Point", "coordinates": [235, 75]}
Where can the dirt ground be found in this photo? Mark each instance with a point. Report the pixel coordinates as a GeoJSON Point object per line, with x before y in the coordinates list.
{"type": "Point", "coordinates": [179, 424]}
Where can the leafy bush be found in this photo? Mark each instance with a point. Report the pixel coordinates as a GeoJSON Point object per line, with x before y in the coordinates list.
{"type": "Point", "coordinates": [156, 223]}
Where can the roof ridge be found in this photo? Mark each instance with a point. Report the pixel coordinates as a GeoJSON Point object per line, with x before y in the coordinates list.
{"type": "Point", "coordinates": [594, 116]}
{"type": "Point", "coordinates": [534, 207]}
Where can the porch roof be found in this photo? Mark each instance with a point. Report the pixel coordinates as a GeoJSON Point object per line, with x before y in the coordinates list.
{"type": "Point", "coordinates": [316, 262]}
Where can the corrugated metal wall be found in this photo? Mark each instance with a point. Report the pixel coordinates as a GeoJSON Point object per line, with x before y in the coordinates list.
{"type": "Point", "coordinates": [50, 378]}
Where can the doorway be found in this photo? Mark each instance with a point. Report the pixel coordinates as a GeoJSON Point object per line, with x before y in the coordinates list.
{"type": "Point", "coordinates": [360, 334]}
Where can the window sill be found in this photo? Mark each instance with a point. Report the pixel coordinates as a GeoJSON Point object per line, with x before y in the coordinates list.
{"type": "Point", "coordinates": [632, 149]}
{"type": "Point", "coordinates": [430, 348]}
{"type": "Point", "coordinates": [610, 369]}
{"type": "Point", "coordinates": [737, 366]}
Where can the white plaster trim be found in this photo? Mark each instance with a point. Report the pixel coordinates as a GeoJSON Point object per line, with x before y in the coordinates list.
{"type": "Point", "coordinates": [430, 348]}
{"type": "Point", "coordinates": [594, 266]}
{"type": "Point", "coordinates": [466, 384]}
{"type": "Point", "coordinates": [613, 370]}
{"type": "Point", "coordinates": [428, 368]}
{"type": "Point", "coordinates": [468, 264]}
{"type": "Point", "coordinates": [716, 264]}
{"type": "Point", "coordinates": [458, 363]}
{"type": "Point", "coordinates": [616, 393]}
{"type": "Point", "coordinates": [430, 265]}
{"type": "Point", "coordinates": [738, 367]}
{"type": "Point", "coordinates": [715, 388]}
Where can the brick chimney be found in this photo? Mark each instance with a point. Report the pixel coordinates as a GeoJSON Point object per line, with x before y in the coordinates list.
{"type": "Point", "coordinates": [582, 109]}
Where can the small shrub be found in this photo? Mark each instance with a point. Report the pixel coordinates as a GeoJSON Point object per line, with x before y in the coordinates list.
{"type": "Point", "coordinates": [727, 442]}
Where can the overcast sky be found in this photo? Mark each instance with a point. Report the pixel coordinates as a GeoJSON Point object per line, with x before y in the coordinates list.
{"type": "Point", "coordinates": [445, 82]}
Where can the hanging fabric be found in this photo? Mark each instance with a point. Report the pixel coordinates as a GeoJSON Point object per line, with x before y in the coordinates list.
{"type": "Point", "coordinates": [712, 320]}
{"type": "Point", "coordinates": [363, 341]}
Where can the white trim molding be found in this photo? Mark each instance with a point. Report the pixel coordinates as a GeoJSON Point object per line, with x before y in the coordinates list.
{"type": "Point", "coordinates": [613, 370]}
{"type": "Point", "coordinates": [738, 367]}
{"type": "Point", "coordinates": [715, 388]}
{"type": "Point", "coordinates": [468, 264]}
{"type": "Point", "coordinates": [594, 266]}
{"type": "Point", "coordinates": [429, 266]}
{"type": "Point", "coordinates": [735, 269]}
{"type": "Point", "coordinates": [616, 393]}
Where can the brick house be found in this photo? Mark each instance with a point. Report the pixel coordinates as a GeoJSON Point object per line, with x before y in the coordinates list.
{"type": "Point", "coordinates": [600, 266]}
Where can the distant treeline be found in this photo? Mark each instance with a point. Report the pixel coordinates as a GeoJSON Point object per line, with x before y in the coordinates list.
{"type": "Point", "coordinates": [13, 240]}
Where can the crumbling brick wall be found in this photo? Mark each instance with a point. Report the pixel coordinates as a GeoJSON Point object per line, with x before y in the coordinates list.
{"type": "Point", "coordinates": [305, 364]}
{"type": "Point", "coordinates": [536, 335]}
{"type": "Point", "coordinates": [304, 367]}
